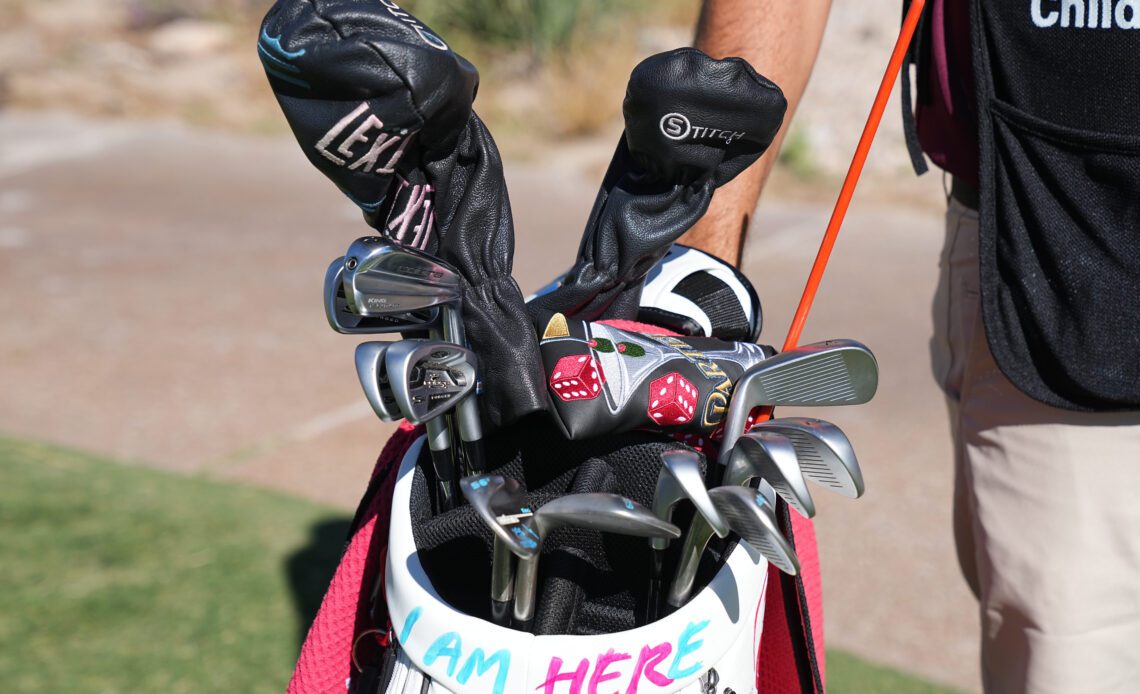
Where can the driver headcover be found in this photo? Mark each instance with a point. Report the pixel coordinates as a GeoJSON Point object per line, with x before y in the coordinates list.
{"type": "Point", "coordinates": [382, 106]}
{"type": "Point", "coordinates": [692, 124]}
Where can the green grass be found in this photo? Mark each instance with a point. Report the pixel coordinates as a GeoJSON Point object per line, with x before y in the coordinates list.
{"type": "Point", "coordinates": [122, 579]}
{"type": "Point", "coordinates": [848, 674]}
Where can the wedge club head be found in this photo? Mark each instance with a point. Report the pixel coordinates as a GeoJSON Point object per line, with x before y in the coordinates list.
{"type": "Point", "coordinates": [609, 513]}
{"type": "Point", "coordinates": [834, 372]}
{"type": "Point", "coordinates": [749, 515]}
{"type": "Point", "coordinates": [373, 374]}
{"type": "Point", "coordinates": [770, 456]}
{"type": "Point", "coordinates": [825, 453]}
{"type": "Point", "coordinates": [502, 505]}
{"type": "Point", "coordinates": [680, 478]}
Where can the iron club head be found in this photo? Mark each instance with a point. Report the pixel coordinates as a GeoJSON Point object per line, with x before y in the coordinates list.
{"type": "Point", "coordinates": [383, 277]}
{"type": "Point", "coordinates": [429, 377]}
{"type": "Point", "coordinates": [373, 375]}
{"type": "Point", "coordinates": [751, 517]}
{"type": "Point", "coordinates": [834, 372]}
{"type": "Point", "coordinates": [344, 321]}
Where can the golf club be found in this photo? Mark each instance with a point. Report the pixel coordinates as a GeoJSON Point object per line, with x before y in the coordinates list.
{"type": "Point", "coordinates": [680, 478]}
{"type": "Point", "coordinates": [344, 321]}
{"type": "Point", "coordinates": [749, 515]}
{"type": "Point", "coordinates": [503, 507]}
{"type": "Point", "coordinates": [598, 511]}
{"type": "Point", "coordinates": [430, 378]}
{"type": "Point", "coordinates": [825, 453]}
{"type": "Point", "coordinates": [834, 372]}
{"type": "Point", "coordinates": [373, 375]}
{"type": "Point", "coordinates": [382, 277]}
{"type": "Point", "coordinates": [770, 456]}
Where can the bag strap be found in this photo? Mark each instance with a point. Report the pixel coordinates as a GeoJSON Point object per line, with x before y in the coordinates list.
{"type": "Point", "coordinates": [918, 55]}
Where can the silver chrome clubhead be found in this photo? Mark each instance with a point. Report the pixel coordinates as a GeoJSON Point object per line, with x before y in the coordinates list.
{"type": "Point", "coordinates": [373, 375]}
{"type": "Point", "coordinates": [502, 505]}
{"type": "Point", "coordinates": [834, 372]}
{"type": "Point", "coordinates": [754, 520]}
{"type": "Point", "coordinates": [825, 453]}
{"type": "Point", "coordinates": [609, 513]}
{"type": "Point", "coordinates": [344, 321]}
{"type": "Point", "coordinates": [749, 515]}
{"type": "Point", "coordinates": [383, 277]}
{"type": "Point", "coordinates": [429, 377]}
{"type": "Point", "coordinates": [772, 457]}
{"type": "Point", "coordinates": [680, 478]}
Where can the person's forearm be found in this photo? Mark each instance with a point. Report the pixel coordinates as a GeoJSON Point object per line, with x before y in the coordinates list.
{"type": "Point", "coordinates": [780, 38]}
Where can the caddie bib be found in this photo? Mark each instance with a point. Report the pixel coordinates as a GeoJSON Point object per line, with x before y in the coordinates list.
{"type": "Point", "coordinates": [1058, 84]}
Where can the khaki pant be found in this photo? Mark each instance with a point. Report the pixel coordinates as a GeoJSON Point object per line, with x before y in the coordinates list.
{"type": "Point", "coordinates": [1046, 508]}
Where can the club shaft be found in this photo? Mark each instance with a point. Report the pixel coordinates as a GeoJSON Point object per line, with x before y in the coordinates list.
{"type": "Point", "coordinates": [467, 412]}
{"type": "Point", "coordinates": [502, 583]}
{"type": "Point", "coordinates": [443, 460]}
{"type": "Point", "coordinates": [700, 532]}
{"type": "Point", "coordinates": [471, 433]}
{"type": "Point", "coordinates": [526, 584]}
{"type": "Point", "coordinates": [653, 597]}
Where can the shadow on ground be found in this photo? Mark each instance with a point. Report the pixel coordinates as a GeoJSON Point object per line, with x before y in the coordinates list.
{"type": "Point", "coordinates": [311, 567]}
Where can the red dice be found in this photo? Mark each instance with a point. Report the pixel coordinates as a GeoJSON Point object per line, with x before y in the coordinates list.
{"type": "Point", "coordinates": [577, 377]}
{"type": "Point", "coordinates": [672, 400]}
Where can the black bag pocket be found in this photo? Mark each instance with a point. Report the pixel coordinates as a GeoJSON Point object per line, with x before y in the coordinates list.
{"type": "Point", "coordinates": [1060, 260]}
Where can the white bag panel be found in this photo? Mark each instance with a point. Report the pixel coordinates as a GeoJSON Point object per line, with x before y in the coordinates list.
{"type": "Point", "coordinates": [719, 628]}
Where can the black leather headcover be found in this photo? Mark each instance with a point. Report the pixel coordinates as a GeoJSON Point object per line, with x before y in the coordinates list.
{"type": "Point", "coordinates": [365, 87]}
{"type": "Point", "coordinates": [692, 124]}
{"type": "Point", "coordinates": [478, 238]}
{"type": "Point", "coordinates": [382, 106]}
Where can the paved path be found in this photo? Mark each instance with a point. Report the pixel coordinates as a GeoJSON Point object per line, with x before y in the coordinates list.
{"type": "Point", "coordinates": [160, 303]}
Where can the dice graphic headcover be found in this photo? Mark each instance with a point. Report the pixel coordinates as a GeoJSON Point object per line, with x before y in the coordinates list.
{"type": "Point", "coordinates": [605, 380]}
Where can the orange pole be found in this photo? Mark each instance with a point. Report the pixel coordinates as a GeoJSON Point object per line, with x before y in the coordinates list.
{"type": "Point", "coordinates": [910, 24]}
{"type": "Point", "coordinates": [849, 183]}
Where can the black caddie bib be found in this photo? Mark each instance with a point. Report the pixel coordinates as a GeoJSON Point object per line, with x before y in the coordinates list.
{"type": "Point", "coordinates": [1059, 127]}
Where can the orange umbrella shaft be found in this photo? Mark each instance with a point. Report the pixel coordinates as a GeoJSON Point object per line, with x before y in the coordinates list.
{"type": "Point", "coordinates": [849, 183]}
{"type": "Point", "coordinates": [910, 24]}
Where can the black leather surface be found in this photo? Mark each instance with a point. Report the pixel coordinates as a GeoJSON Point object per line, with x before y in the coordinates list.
{"type": "Point", "coordinates": [324, 58]}
{"type": "Point", "coordinates": [692, 124]}
{"type": "Point", "coordinates": [383, 107]}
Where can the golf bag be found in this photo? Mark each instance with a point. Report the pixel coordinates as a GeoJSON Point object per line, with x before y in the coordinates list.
{"type": "Point", "coordinates": [380, 104]}
{"type": "Point", "coordinates": [407, 606]}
